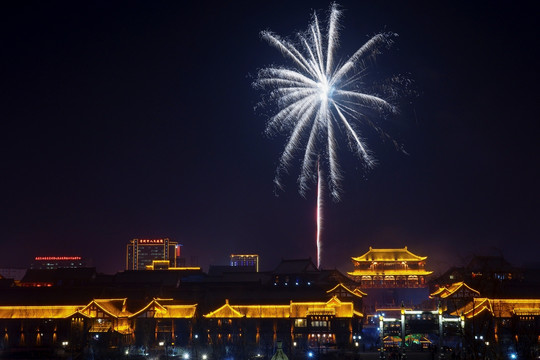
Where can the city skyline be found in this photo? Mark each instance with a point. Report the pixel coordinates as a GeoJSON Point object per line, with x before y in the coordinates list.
{"type": "Point", "coordinates": [135, 120]}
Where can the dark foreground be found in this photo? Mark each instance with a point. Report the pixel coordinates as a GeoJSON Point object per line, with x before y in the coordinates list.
{"type": "Point", "coordinates": [27, 354]}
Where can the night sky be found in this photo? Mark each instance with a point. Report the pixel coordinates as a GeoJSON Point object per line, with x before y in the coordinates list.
{"type": "Point", "coordinates": [135, 119]}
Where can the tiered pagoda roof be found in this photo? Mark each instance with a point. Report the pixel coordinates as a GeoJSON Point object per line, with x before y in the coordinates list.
{"type": "Point", "coordinates": [391, 272]}
{"type": "Point", "coordinates": [385, 255]}
{"type": "Point", "coordinates": [389, 262]}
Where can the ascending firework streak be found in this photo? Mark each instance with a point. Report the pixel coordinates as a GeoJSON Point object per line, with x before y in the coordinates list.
{"type": "Point", "coordinates": [317, 98]}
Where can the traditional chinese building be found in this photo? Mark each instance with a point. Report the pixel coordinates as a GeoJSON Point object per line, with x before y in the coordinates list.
{"type": "Point", "coordinates": [491, 275]}
{"type": "Point", "coordinates": [454, 296]}
{"type": "Point", "coordinates": [458, 290]}
{"type": "Point", "coordinates": [123, 323]}
{"type": "Point", "coordinates": [510, 325]}
{"type": "Point", "coordinates": [389, 268]}
{"type": "Point", "coordinates": [113, 322]}
{"type": "Point", "coordinates": [298, 324]}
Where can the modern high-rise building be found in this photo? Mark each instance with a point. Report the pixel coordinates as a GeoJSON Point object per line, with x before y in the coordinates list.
{"type": "Point", "coordinates": [245, 261]}
{"type": "Point", "coordinates": [142, 252]}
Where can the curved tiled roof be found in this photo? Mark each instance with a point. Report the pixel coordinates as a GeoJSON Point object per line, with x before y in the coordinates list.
{"type": "Point", "coordinates": [38, 312]}
{"type": "Point", "coordinates": [444, 292]}
{"type": "Point", "coordinates": [226, 311]}
{"type": "Point", "coordinates": [389, 255]}
{"type": "Point", "coordinates": [390, 272]}
{"type": "Point", "coordinates": [355, 292]}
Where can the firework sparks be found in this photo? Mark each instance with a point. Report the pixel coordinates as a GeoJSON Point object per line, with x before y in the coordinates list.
{"type": "Point", "coordinates": [318, 98]}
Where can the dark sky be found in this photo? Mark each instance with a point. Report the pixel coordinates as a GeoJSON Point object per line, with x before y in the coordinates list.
{"type": "Point", "coordinates": [136, 120]}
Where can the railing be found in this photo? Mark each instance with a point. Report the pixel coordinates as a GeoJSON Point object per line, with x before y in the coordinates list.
{"type": "Point", "coordinates": [391, 285]}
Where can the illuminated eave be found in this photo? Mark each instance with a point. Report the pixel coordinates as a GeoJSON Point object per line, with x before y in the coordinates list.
{"type": "Point", "coordinates": [511, 307]}
{"type": "Point", "coordinates": [225, 311]}
{"type": "Point", "coordinates": [526, 312]}
{"type": "Point", "coordinates": [100, 304]}
{"type": "Point", "coordinates": [356, 292]}
{"type": "Point", "coordinates": [264, 311]}
{"type": "Point", "coordinates": [170, 311]}
{"type": "Point", "coordinates": [474, 308]}
{"type": "Point", "coordinates": [333, 307]}
{"type": "Point", "coordinates": [158, 308]}
{"type": "Point", "coordinates": [501, 308]}
{"type": "Point", "coordinates": [334, 301]}
{"type": "Point", "coordinates": [390, 272]}
{"type": "Point", "coordinates": [477, 311]}
{"type": "Point", "coordinates": [359, 292]}
{"type": "Point", "coordinates": [178, 312]}
{"type": "Point", "coordinates": [437, 292]}
{"type": "Point", "coordinates": [455, 287]}
{"type": "Point", "coordinates": [38, 312]}
{"type": "Point", "coordinates": [387, 255]}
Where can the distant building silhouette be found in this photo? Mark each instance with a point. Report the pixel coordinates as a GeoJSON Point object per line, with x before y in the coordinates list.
{"type": "Point", "coordinates": [57, 262]}
{"type": "Point", "coordinates": [245, 261]}
{"type": "Point", "coordinates": [491, 275]}
{"type": "Point", "coordinates": [12, 273]}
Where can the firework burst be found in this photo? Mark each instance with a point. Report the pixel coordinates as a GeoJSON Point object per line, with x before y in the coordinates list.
{"type": "Point", "coordinates": [317, 98]}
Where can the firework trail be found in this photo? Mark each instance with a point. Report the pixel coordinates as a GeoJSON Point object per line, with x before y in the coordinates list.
{"type": "Point", "coordinates": [318, 98]}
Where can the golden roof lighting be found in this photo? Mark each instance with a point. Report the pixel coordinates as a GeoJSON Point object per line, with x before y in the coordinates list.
{"type": "Point", "coordinates": [389, 255]}
{"type": "Point", "coordinates": [333, 307]}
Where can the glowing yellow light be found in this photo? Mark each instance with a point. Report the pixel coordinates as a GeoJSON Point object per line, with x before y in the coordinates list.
{"type": "Point", "coordinates": [388, 255]}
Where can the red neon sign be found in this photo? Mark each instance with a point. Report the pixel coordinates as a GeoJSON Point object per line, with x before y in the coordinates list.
{"type": "Point", "coordinates": [151, 241]}
{"type": "Point", "coordinates": [56, 258]}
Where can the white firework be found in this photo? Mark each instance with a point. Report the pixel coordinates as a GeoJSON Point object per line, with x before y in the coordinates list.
{"type": "Point", "coordinates": [318, 98]}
